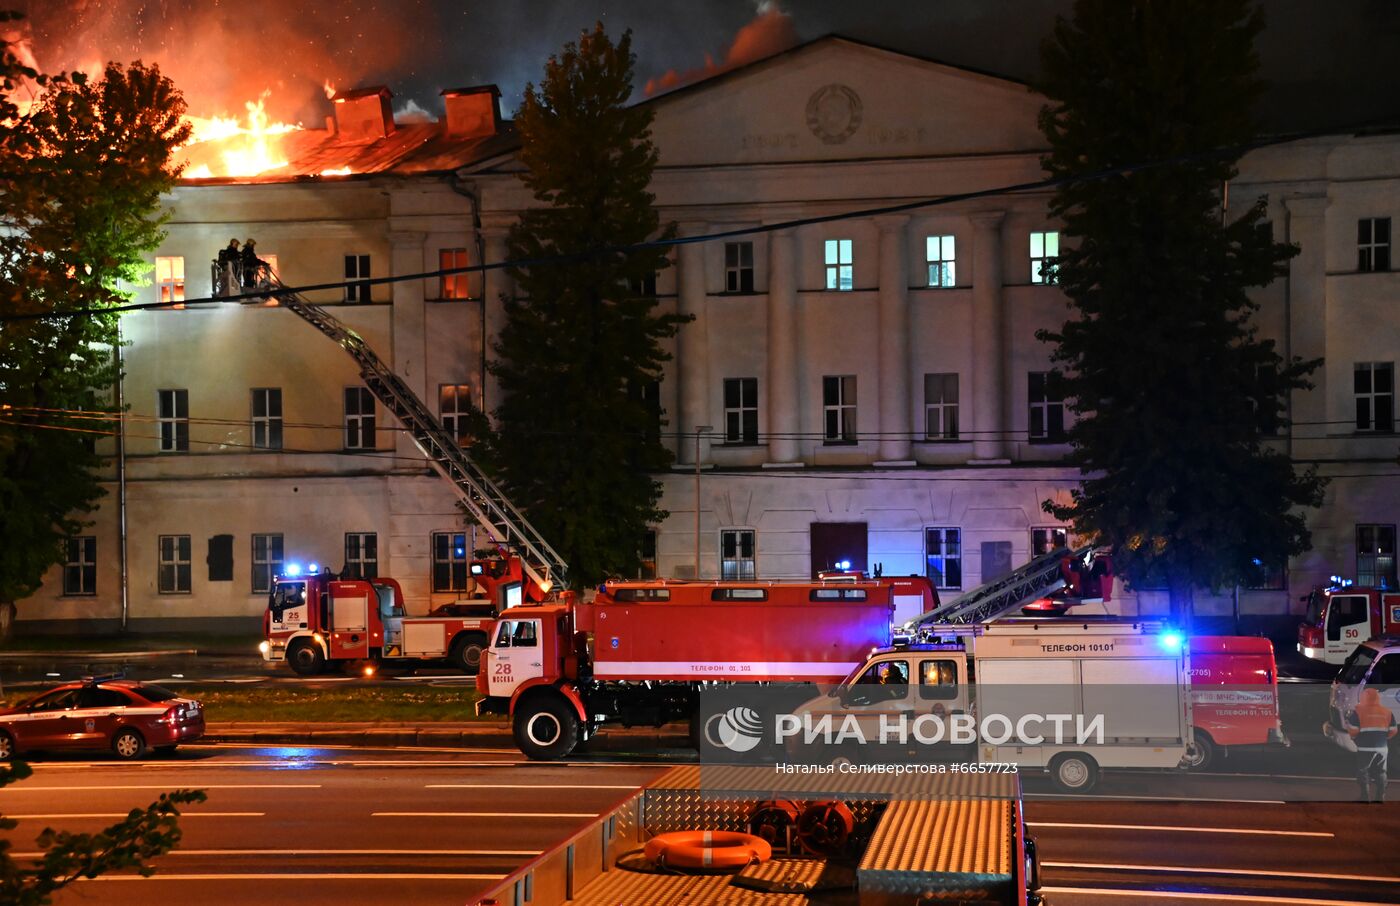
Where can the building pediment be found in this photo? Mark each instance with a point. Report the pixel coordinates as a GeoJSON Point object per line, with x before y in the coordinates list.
{"type": "Point", "coordinates": [836, 99]}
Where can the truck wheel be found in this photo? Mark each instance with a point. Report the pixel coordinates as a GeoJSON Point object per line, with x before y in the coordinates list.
{"type": "Point", "coordinates": [466, 653]}
{"type": "Point", "coordinates": [1202, 753]}
{"type": "Point", "coordinates": [306, 659]}
{"type": "Point", "coordinates": [546, 728]}
{"type": "Point", "coordinates": [1074, 772]}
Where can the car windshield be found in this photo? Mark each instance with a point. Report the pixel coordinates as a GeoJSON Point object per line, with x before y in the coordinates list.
{"type": "Point", "coordinates": [155, 693]}
{"type": "Point", "coordinates": [1355, 667]}
{"type": "Point", "coordinates": [1313, 616]}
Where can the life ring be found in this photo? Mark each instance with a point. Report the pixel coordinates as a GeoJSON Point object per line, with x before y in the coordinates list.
{"type": "Point", "coordinates": [707, 849]}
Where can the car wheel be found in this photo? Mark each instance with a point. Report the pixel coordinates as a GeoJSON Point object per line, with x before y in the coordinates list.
{"type": "Point", "coordinates": [546, 727]}
{"type": "Point", "coordinates": [1074, 772]}
{"type": "Point", "coordinates": [466, 654]}
{"type": "Point", "coordinates": [1202, 753]}
{"type": "Point", "coordinates": [306, 659]}
{"type": "Point", "coordinates": [7, 746]}
{"type": "Point", "coordinates": [128, 744]}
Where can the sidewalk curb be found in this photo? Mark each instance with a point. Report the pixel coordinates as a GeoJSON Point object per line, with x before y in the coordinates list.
{"type": "Point", "coordinates": [98, 655]}
{"type": "Point", "coordinates": [489, 736]}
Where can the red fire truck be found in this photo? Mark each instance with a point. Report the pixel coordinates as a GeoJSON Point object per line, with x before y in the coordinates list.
{"type": "Point", "coordinates": [1234, 697]}
{"type": "Point", "coordinates": [318, 620]}
{"type": "Point", "coordinates": [1344, 615]}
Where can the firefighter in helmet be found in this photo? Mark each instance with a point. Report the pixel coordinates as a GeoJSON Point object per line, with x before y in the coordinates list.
{"type": "Point", "coordinates": [1372, 726]}
{"type": "Point", "coordinates": [254, 268]}
{"type": "Point", "coordinates": [228, 268]}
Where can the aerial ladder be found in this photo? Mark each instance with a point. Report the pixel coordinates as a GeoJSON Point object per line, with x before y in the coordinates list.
{"type": "Point", "coordinates": [482, 498]}
{"type": "Point", "coordinates": [1040, 578]}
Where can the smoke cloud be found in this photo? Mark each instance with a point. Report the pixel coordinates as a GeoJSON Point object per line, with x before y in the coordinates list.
{"type": "Point", "coordinates": [771, 32]}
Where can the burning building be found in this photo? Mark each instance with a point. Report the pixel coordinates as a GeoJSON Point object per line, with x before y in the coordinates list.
{"type": "Point", "coordinates": [876, 387]}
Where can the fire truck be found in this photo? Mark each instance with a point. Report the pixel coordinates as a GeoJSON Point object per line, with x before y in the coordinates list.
{"type": "Point", "coordinates": [1344, 615]}
{"type": "Point", "coordinates": [318, 620]}
{"type": "Point", "coordinates": [640, 652]}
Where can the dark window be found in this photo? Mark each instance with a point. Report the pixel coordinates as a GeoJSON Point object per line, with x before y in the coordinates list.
{"type": "Point", "coordinates": [1375, 556]}
{"type": "Point", "coordinates": [739, 594]}
{"type": "Point", "coordinates": [267, 418]}
{"type": "Point", "coordinates": [220, 558]}
{"type": "Point", "coordinates": [646, 554]}
{"type": "Point", "coordinates": [267, 561]}
{"type": "Point", "coordinates": [943, 552]}
{"type": "Point", "coordinates": [996, 559]}
{"type": "Point", "coordinates": [173, 574]}
{"type": "Point", "coordinates": [359, 419]}
{"type": "Point", "coordinates": [839, 408]}
{"type": "Point", "coordinates": [173, 416]}
{"type": "Point", "coordinates": [1373, 244]}
{"type": "Point", "coordinates": [80, 567]}
{"type": "Point", "coordinates": [153, 693]}
{"type": "Point", "coordinates": [1268, 576]}
{"type": "Point", "coordinates": [1047, 408]}
{"type": "Point", "coordinates": [1373, 384]}
{"type": "Point", "coordinates": [736, 554]}
{"type": "Point", "coordinates": [941, 406]}
{"type": "Point", "coordinates": [645, 288]}
{"type": "Point", "coordinates": [453, 286]}
{"type": "Point", "coordinates": [357, 288]}
{"type": "Point", "coordinates": [1385, 671]}
{"type": "Point", "coordinates": [741, 410]}
{"type": "Point", "coordinates": [840, 546]}
{"type": "Point", "coordinates": [361, 555]}
{"type": "Point", "coordinates": [449, 561]}
{"type": "Point", "coordinates": [738, 267]}
{"type": "Point", "coordinates": [632, 595]}
{"type": "Point", "coordinates": [94, 697]}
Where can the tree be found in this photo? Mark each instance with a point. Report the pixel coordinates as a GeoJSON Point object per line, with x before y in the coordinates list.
{"type": "Point", "coordinates": [575, 437]}
{"type": "Point", "coordinates": [81, 173]}
{"type": "Point", "coordinates": [142, 835]}
{"type": "Point", "coordinates": [1175, 391]}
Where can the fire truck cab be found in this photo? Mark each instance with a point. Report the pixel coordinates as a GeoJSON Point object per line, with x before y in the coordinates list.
{"type": "Point", "coordinates": [1342, 616]}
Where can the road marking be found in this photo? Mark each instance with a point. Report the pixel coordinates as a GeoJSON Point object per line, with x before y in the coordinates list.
{"type": "Point", "coordinates": [331, 852]}
{"type": "Point", "coordinates": [1092, 796]}
{"type": "Point", "coordinates": [1188, 830]}
{"type": "Point", "coordinates": [300, 876]}
{"type": "Point", "coordinates": [124, 814]}
{"type": "Point", "coordinates": [166, 786]}
{"type": "Point", "coordinates": [532, 786]}
{"type": "Point", "coordinates": [483, 814]}
{"type": "Point", "coordinates": [1158, 895]}
{"type": "Point", "coordinates": [1206, 870]}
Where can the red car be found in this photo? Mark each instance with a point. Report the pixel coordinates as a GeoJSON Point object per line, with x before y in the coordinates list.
{"type": "Point", "coordinates": [101, 713]}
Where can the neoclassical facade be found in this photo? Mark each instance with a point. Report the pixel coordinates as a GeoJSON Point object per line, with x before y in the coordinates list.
{"type": "Point", "coordinates": [864, 389]}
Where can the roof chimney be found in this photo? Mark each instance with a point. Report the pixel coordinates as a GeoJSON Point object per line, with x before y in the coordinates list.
{"type": "Point", "coordinates": [364, 114]}
{"type": "Point", "coordinates": [473, 112]}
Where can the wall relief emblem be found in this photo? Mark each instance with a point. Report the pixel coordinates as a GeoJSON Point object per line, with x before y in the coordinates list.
{"type": "Point", "coordinates": [833, 113]}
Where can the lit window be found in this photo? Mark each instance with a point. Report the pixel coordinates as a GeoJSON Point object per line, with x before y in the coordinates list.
{"type": "Point", "coordinates": [941, 265]}
{"type": "Point", "coordinates": [741, 410]}
{"type": "Point", "coordinates": [1373, 244]}
{"type": "Point", "coordinates": [1045, 540]}
{"type": "Point", "coordinates": [80, 566]}
{"type": "Point", "coordinates": [173, 576]}
{"type": "Point", "coordinates": [646, 553]}
{"type": "Point", "coordinates": [267, 418]}
{"type": "Point", "coordinates": [170, 280]}
{"type": "Point", "coordinates": [736, 554]}
{"type": "Point", "coordinates": [1045, 249]}
{"type": "Point", "coordinates": [267, 561]}
{"type": "Point", "coordinates": [173, 419]}
{"type": "Point", "coordinates": [453, 286]}
{"type": "Point", "coordinates": [839, 408]}
{"type": "Point", "coordinates": [359, 419]}
{"type": "Point", "coordinates": [454, 405]}
{"type": "Point", "coordinates": [361, 555]}
{"type": "Point", "coordinates": [1047, 408]}
{"type": "Point", "coordinates": [1374, 386]}
{"type": "Point", "coordinates": [357, 288]}
{"type": "Point", "coordinates": [941, 406]}
{"type": "Point", "coordinates": [1375, 556]}
{"type": "Point", "coordinates": [449, 561]}
{"type": "Point", "coordinates": [839, 274]}
{"type": "Point", "coordinates": [943, 556]}
{"type": "Point", "coordinates": [738, 267]}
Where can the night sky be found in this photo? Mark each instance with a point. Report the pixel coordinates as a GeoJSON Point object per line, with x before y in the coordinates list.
{"type": "Point", "coordinates": [1329, 63]}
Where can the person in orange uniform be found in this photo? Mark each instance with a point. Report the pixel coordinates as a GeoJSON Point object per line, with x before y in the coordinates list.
{"type": "Point", "coordinates": [1372, 726]}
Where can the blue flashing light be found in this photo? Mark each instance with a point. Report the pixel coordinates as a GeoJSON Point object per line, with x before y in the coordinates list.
{"type": "Point", "coordinates": [843, 564]}
{"type": "Point", "coordinates": [292, 569]}
{"type": "Point", "coordinates": [313, 569]}
{"type": "Point", "coordinates": [1171, 640]}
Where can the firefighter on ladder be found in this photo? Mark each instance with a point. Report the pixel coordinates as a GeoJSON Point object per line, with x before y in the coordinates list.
{"type": "Point", "coordinates": [227, 267]}
{"type": "Point", "coordinates": [1372, 726]}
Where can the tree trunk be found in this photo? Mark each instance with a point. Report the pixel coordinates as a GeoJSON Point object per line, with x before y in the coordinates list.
{"type": "Point", "coordinates": [7, 618]}
{"type": "Point", "coordinates": [1182, 593]}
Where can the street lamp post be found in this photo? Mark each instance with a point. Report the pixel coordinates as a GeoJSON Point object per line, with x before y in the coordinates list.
{"type": "Point", "coordinates": [699, 430]}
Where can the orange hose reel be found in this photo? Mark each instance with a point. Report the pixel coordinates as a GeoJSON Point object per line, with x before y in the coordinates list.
{"type": "Point", "coordinates": [707, 849]}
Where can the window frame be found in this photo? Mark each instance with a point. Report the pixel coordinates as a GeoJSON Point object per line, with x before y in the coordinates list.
{"type": "Point", "coordinates": [457, 558]}
{"type": "Point", "coordinates": [80, 566]}
{"type": "Point", "coordinates": [360, 425]}
{"type": "Point", "coordinates": [173, 423]}
{"type": "Point", "coordinates": [844, 411]}
{"type": "Point", "coordinates": [1048, 532]}
{"type": "Point", "coordinates": [1373, 398]}
{"type": "Point", "coordinates": [738, 568]}
{"type": "Point", "coordinates": [1372, 251]}
{"type": "Point", "coordinates": [738, 268]}
{"type": "Point", "coordinates": [454, 286]}
{"type": "Point", "coordinates": [1043, 259]}
{"type": "Point", "coordinates": [179, 563]}
{"type": "Point", "coordinates": [355, 557]}
{"type": "Point", "coordinates": [646, 554]}
{"type": "Point", "coordinates": [956, 556]}
{"type": "Point", "coordinates": [839, 255]}
{"type": "Point", "coordinates": [358, 270]}
{"type": "Point", "coordinates": [266, 428]}
{"type": "Point", "coordinates": [943, 410]}
{"type": "Point", "coordinates": [940, 254]}
{"type": "Point", "coordinates": [740, 418]}
{"type": "Point", "coordinates": [170, 286]}
{"type": "Point", "coordinates": [1049, 408]}
{"type": "Point", "coordinates": [266, 563]}
{"type": "Point", "coordinates": [1372, 575]}
{"type": "Point", "coordinates": [454, 420]}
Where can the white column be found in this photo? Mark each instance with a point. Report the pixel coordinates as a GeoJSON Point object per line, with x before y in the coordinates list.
{"type": "Point", "coordinates": [494, 285]}
{"type": "Point", "coordinates": [782, 413]}
{"type": "Point", "coordinates": [692, 349]}
{"type": "Point", "coordinates": [895, 440]}
{"type": "Point", "coordinates": [410, 329]}
{"type": "Point", "coordinates": [988, 339]}
{"type": "Point", "coordinates": [1307, 312]}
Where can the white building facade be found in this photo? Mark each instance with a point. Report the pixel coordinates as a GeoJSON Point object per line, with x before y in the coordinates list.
{"type": "Point", "coordinates": [872, 385]}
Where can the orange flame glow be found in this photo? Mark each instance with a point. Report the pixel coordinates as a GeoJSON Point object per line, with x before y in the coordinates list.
{"type": "Point", "coordinates": [227, 146]}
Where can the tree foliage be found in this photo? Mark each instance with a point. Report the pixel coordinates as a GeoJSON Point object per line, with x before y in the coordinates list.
{"type": "Point", "coordinates": [81, 173]}
{"type": "Point", "coordinates": [142, 835]}
{"type": "Point", "coordinates": [1175, 390]}
{"type": "Point", "coordinates": [575, 436]}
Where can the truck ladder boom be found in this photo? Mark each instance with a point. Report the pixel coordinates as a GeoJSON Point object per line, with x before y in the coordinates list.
{"type": "Point", "coordinates": [505, 524]}
{"type": "Point", "coordinates": [1000, 596]}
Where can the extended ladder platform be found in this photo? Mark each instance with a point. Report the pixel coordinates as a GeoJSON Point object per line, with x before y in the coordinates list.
{"type": "Point", "coordinates": [503, 522]}
{"type": "Point", "coordinates": [1011, 592]}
